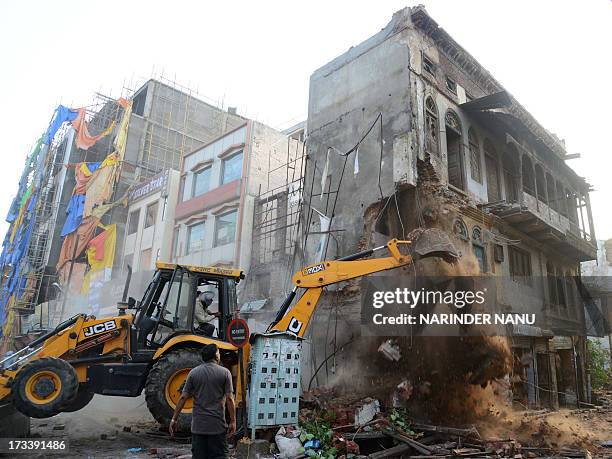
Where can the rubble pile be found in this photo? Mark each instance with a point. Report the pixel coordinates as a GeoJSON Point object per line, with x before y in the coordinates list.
{"type": "Point", "coordinates": [333, 425]}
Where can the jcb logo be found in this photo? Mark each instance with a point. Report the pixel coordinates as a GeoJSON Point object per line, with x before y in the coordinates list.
{"type": "Point", "coordinates": [99, 328]}
{"type": "Point", "coordinates": [294, 325]}
{"type": "Point", "coordinates": [314, 269]}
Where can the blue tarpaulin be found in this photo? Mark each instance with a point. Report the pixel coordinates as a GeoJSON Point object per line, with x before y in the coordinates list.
{"type": "Point", "coordinates": [61, 115]}
{"type": "Point", "coordinates": [22, 245]}
{"type": "Point", "coordinates": [93, 166]}
{"type": "Point", "coordinates": [75, 214]}
{"type": "Point", "coordinates": [13, 211]}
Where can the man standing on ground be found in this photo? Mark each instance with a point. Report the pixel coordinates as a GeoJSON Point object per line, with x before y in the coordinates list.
{"type": "Point", "coordinates": [210, 385]}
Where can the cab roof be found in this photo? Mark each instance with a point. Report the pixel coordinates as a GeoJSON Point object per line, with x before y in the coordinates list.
{"type": "Point", "coordinates": [225, 272]}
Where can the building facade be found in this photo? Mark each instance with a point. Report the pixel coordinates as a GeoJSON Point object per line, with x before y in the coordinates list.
{"type": "Point", "coordinates": [150, 225]}
{"type": "Point", "coordinates": [407, 130]}
{"type": "Point", "coordinates": [219, 185]}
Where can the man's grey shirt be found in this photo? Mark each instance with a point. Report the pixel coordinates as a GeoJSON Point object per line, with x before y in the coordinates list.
{"type": "Point", "coordinates": [208, 384]}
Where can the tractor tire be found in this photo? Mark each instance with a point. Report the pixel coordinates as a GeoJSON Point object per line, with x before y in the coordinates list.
{"type": "Point", "coordinates": [165, 383]}
{"type": "Point", "coordinates": [82, 399]}
{"type": "Point", "coordinates": [42, 387]}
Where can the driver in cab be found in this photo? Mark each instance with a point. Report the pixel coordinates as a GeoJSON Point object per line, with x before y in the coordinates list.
{"type": "Point", "coordinates": [204, 318]}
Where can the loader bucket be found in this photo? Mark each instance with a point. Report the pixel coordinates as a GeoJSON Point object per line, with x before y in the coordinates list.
{"type": "Point", "coordinates": [433, 242]}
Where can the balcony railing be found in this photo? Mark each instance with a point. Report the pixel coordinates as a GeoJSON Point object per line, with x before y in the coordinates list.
{"type": "Point", "coordinates": [555, 219]}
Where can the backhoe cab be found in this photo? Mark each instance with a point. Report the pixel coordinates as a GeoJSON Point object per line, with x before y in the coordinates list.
{"type": "Point", "coordinates": [171, 304]}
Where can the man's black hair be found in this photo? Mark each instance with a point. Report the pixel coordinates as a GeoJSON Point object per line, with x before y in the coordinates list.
{"type": "Point", "coordinates": [208, 352]}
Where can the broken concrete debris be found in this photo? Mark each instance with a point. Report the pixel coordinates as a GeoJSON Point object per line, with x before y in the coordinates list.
{"type": "Point", "coordinates": [378, 431]}
{"type": "Point", "coordinates": [402, 393]}
{"type": "Point", "coordinates": [343, 446]}
{"type": "Point", "coordinates": [366, 412]}
{"type": "Point", "coordinates": [391, 350]}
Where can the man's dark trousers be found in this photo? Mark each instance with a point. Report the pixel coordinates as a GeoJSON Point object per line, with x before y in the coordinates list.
{"type": "Point", "coordinates": [209, 446]}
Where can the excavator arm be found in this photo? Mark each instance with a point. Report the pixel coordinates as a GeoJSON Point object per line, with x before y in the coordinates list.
{"type": "Point", "coordinates": [313, 278]}
{"type": "Point", "coordinates": [426, 243]}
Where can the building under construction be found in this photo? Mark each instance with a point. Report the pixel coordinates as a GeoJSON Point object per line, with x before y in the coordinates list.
{"type": "Point", "coordinates": [74, 188]}
{"type": "Point", "coordinates": [277, 229]}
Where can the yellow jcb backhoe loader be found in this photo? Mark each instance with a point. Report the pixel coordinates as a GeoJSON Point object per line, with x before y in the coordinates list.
{"type": "Point", "coordinates": [154, 347]}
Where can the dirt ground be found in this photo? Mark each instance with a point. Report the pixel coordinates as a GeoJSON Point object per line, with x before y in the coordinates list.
{"type": "Point", "coordinates": [117, 427]}
{"type": "Point", "coordinates": [111, 427]}
{"type": "Point", "coordinates": [586, 428]}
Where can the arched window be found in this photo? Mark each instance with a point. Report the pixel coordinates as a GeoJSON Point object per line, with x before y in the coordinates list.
{"type": "Point", "coordinates": [561, 201]}
{"type": "Point", "coordinates": [552, 192]}
{"type": "Point", "coordinates": [475, 169]}
{"type": "Point", "coordinates": [479, 249]}
{"type": "Point", "coordinates": [452, 121]}
{"type": "Point", "coordinates": [454, 150]}
{"type": "Point", "coordinates": [492, 172]}
{"type": "Point", "coordinates": [432, 128]}
{"type": "Point", "coordinates": [540, 183]}
{"type": "Point", "coordinates": [510, 163]}
{"type": "Point", "coordinates": [460, 229]}
{"type": "Point", "coordinates": [528, 176]}
{"type": "Point", "coordinates": [570, 200]}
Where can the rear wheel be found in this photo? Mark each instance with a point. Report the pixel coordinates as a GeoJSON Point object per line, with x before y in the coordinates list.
{"type": "Point", "coordinates": [42, 387]}
{"type": "Point", "coordinates": [165, 384]}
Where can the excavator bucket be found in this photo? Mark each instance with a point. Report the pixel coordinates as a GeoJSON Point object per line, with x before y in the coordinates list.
{"type": "Point", "coordinates": [432, 242]}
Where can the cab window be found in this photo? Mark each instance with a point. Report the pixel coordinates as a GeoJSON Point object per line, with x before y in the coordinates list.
{"type": "Point", "coordinates": [173, 313]}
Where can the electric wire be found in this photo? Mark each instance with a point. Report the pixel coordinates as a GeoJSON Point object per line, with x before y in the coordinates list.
{"type": "Point", "coordinates": [329, 357]}
{"type": "Point", "coordinates": [399, 217]}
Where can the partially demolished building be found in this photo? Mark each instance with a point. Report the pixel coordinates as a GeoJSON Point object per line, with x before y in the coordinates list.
{"type": "Point", "coordinates": [408, 130]}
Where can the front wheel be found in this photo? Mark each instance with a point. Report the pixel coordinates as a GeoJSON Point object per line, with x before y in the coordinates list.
{"type": "Point", "coordinates": [42, 387]}
{"type": "Point", "coordinates": [165, 384]}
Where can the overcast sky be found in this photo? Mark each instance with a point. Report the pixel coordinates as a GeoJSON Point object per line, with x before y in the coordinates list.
{"type": "Point", "coordinates": [553, 56]}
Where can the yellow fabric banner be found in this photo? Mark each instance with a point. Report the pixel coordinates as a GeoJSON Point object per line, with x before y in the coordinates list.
{"type": "Point", "coordinates": [122, 132]}
{"type": "Point", "coordinates": [100, 254]}
{"type": "Point", "coordinates": [8, 330]}
{"type": "Point", "coordinates": [99, 188]}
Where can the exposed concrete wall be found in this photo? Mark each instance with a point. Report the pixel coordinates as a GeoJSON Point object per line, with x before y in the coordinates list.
{"type": "Point", "coordinates": [177, 123]}
{"type": "Point", "coordinates": [346, 96]}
